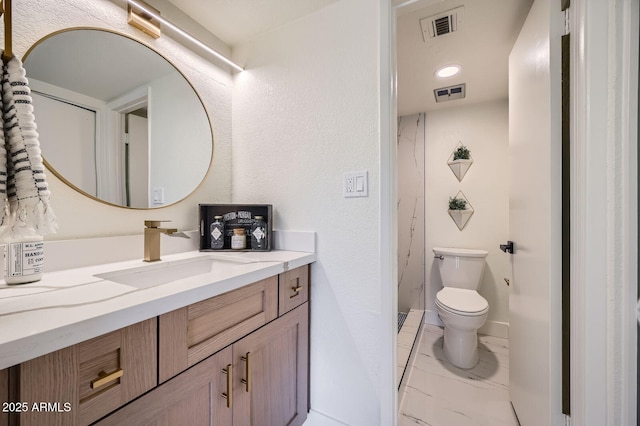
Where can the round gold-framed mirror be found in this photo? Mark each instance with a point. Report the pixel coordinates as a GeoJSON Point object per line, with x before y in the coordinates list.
{"type": "Point", "coordinates": [117, 121]}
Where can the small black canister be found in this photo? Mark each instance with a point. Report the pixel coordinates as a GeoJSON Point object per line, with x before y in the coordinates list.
{"type": "Point", "coordinates": [217, 233]}
{"type": "Point", "coordinates": [259, 234]}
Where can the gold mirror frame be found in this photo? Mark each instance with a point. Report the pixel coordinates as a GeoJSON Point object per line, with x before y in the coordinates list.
{"type": "Point", "coordinates": [66, 181]}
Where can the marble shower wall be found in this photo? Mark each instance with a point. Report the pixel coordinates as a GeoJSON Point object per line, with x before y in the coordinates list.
{"type": "Point", "coordinates": [411, 220]}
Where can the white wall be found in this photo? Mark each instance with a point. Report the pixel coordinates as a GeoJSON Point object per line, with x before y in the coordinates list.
{"type": "Point", "coordinates": [483, 128]}
{"type": "Point", "coordinates": [172, 166]}
{"type": "Point", "coordinates": [307, 110]}
{"type": "Point", "coordinates": [79, 216]}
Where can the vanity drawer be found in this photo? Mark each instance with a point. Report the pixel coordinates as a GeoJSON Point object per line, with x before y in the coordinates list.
{"type": "Point", "coordinates": [191, 334]}
{"type": "Point", "coordinates": [86, 381]}
{"type": "Point", "coordinates": [294, 288]}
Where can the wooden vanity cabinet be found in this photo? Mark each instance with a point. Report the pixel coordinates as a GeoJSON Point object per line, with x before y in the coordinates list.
{"type": "Point", "coordinates": [190, 334]}
{"type": "Point", "coordinates": [198, 396]}
{"type": "Point", "coordinates": [79, 384]}
{"type": "Point", "coordinates": [4, 397]}
{"type": "Point", "coordinates": [271, 376]}
{"type": "Point", "coordinates": [260, 380]}
{"type": "Point", "coordinates": [240, 358]}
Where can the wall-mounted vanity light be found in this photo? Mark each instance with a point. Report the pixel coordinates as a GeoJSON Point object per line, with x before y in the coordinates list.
{"type": "Point", "coordinates": [142, 20]}
{"type": "Point", "coordinates": [142, 12]}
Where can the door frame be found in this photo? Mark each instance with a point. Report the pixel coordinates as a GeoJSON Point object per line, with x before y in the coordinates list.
{"type": "Point", "coordinates": [604, 188]}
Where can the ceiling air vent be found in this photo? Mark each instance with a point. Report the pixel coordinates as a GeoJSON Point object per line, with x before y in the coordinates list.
{"type": "Point", "coordinates": [450, 93]}
{"type": "Point", "coordinates": [442, 23]}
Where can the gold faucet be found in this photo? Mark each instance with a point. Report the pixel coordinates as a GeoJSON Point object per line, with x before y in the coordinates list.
{"type": "Point", "coordinates": [152, 238]}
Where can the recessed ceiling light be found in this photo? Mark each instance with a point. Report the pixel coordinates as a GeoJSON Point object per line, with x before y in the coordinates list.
{"type": "Point", "coordinates": [448, 71]}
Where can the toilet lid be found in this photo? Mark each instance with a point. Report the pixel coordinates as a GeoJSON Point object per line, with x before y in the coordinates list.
{"type": "Point", "coordinates": [462, 300]}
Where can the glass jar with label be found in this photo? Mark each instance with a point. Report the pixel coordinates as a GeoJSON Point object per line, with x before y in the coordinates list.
{"type": "Point", "coordinates": [259, 234]}
{"type": "Point", "coordinates": [24, 259]}
{"type": "Point", "coordinates": [239, 239]}
{"type": "Point", "coordinates": [217, 233]}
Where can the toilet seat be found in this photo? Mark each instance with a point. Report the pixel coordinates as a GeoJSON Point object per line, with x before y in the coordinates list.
{"type": "Point", "coordinates": [461, 301]}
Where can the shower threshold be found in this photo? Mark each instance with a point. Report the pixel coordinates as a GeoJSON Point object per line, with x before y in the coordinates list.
{"type": "Point", "coordinates": [408, 332]}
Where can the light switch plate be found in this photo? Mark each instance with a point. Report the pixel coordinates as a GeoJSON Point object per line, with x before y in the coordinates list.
{"type": "Point", "coordinates": [158, 196]}
{"type": "Point", "coordinates": [355, 184]}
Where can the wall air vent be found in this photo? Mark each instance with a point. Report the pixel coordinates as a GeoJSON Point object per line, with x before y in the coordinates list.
{"type": "Point", "coordinates": [450, 93]}
{"type": "Point", "coordinates": [442, 23]}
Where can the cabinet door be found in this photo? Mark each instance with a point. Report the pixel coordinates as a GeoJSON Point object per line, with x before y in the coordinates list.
{"type": "Point", "coordinates": [4, 397]}
{"type": "Point", "coordinates": [200, 396]}
{"type": "Point", "coordinates": [271, 377]}
{"type": "Point", "coordinates": [191, 334]}
{"type": "Point", "coordinates": [79, 384]}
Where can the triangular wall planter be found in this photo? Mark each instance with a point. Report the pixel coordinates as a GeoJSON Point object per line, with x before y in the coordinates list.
{"type": "Point", "coordinates": [461, 217]}
{"type": "Point", "coordinates": [460, 167]}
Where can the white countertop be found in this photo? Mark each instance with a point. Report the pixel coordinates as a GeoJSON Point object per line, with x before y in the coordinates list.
{"type": "Point", "coordinates": [70, 306]}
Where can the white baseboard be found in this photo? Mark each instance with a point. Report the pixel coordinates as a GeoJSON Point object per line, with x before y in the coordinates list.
{"type": "Point", "coordinates": [495, 329]}
{"type": "Point", "coordinates": [315, 418]}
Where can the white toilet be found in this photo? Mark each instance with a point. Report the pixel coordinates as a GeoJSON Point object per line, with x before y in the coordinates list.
{"type": "Point", "coordinates": [462, 310]}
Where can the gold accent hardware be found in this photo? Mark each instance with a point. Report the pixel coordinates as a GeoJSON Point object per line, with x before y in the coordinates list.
{"type": "Point", "coordinates": [152, 233]}
{"type": "Point", "coordinates": [104, 378]}
{"type": "Point", "coordinates": [296, 291]}
{"type": "Point", "coordinates": [229, 394]}
{"type": "Point", "coordinates": [142, 20]}
{"type": "Point", "coordinates": [247, 380]}
{"type": "Point", "coordinates": [506, 280]}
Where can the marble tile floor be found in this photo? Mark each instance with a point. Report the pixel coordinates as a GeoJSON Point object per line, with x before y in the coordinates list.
{"type": "Point", "coordinates": [437, 393]}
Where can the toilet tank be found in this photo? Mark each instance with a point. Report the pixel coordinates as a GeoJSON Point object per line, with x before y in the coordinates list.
{"type": "Point", "coordinates": [460, 268]}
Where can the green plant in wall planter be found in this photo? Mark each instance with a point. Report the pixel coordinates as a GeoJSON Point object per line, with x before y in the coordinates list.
{"type": "Point", "coordinates": [460, 161]}
{"type": "Point", "coordinates": [461, 153]}
{"type": "Point", "coordinates": [456, 203]}
{"type": "Point", "coordinates": [460, 210]}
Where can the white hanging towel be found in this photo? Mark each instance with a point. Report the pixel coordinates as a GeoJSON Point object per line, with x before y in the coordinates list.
{"type": "Point", "coordinates": [24, 204]}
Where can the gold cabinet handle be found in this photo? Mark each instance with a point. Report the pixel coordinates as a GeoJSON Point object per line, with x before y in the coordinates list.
{"type": "Point", "coordinates": [296, 291]}
{"type": "Point", "coordinates": [104, 378]}
{"type": "Point", "coordinates": [229, 394]}
{"type": "Point", "coordinates": [247, 380]}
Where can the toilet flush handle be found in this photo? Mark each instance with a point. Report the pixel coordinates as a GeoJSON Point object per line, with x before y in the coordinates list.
{"type": "Point", "coordinates": [438, 256]}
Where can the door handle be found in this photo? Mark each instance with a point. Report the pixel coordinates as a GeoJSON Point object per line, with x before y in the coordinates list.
{"type": "Point", "coordinates": [229, 394]}
{"type": "Point", "coordinates": [247, 372]}
{"type": "Point", "coordinates": [508, 248]}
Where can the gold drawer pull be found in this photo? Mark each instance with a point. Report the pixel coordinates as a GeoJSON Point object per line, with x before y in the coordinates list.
{"type": "Point", "coordinates": [296, 291]}
{"type": "Point", "coordinates": [104, 378]}
{"type": "Point", "coordinates": [229, 394]}
{"type": "Point", "coordinates": [247, 381]}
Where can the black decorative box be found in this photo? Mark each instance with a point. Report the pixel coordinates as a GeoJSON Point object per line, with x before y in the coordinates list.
{"type": "Point", "coordinates": [234, 216]}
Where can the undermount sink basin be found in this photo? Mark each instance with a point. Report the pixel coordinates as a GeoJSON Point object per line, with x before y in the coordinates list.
{"type": "Point", "coordinates": [160, 273]}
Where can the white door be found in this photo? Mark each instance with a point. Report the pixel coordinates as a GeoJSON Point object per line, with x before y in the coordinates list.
{"type": "Point", "coordinates": [138, 163]}
{"type": "Point", "coordinates": [76, 162]}
{"type": "Point", "coordinates": [535, 221]}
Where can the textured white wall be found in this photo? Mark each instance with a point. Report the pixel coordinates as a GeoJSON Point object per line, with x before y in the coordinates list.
{"type": "Point", "coordinates": [483, 128]}
{"type": "Point", "coordinates": [306, 111]}
{"type": "Point", "coordinates": [79, 216]}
